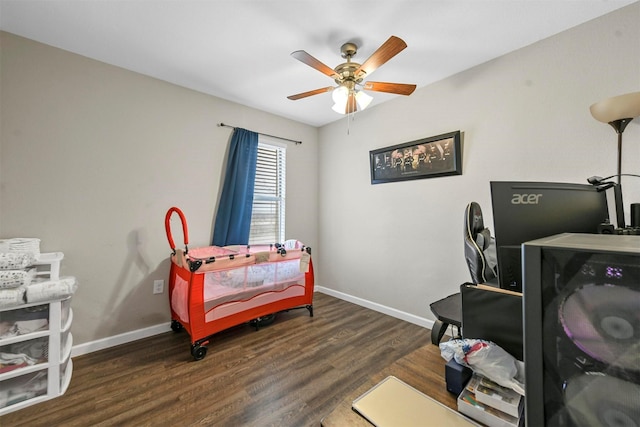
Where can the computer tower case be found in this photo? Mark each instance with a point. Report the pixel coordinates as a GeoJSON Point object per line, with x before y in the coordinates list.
{"type": "Point", "coordinates": [582, 330]}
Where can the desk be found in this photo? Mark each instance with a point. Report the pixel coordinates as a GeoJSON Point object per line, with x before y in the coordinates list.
{"type": "Point", "coordinates": [422, 369]}
{"type": "Point", "coordinates": [448, 311]}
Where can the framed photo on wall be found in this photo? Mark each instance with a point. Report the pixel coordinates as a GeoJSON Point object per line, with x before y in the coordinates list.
{"type": "Point", "coordinates": [431, 157]}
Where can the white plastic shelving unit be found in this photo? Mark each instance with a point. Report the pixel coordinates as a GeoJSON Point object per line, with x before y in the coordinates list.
{"type": "Point", "coordinates": [27, 385]}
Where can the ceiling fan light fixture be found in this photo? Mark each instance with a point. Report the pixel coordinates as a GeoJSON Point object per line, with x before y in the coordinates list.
{"type": "Point", "coordinates": [363, 100]}
{"type": "Point", "coordinates": [340, 95]}
{"type": "Point", "coordinates": [340, 98]}
{"type": "Point", "coordinates": [339, 108]}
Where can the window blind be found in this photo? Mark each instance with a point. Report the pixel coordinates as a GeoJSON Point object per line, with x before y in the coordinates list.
{"type": "Point", "coordinates": [267, 218]}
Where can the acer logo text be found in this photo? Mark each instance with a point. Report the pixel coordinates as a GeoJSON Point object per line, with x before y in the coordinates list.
{"type": "Point", "coordinates": [525, 199]}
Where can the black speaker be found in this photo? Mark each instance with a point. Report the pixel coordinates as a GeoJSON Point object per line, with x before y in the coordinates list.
{"type": "Point", "coordinates": [510, 268]}
{"type": "Point", "coordinates": [635, 215]}
{"type": "Point", "coordinates": [582, 330]}
{"type": "Point", "coordinates": [456, 376]}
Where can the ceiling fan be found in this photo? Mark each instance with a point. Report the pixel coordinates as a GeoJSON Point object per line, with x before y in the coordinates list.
{"type": "Point", "coordinates": [350, 75]}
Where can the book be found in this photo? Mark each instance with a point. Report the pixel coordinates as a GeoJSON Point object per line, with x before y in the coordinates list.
{"type": "Point", "coordinates": [492, 417]}
{"type": "Point", "coordinates": [492, 394]}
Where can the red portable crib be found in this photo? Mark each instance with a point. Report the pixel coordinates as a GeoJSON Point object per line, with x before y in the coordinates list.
{"type": "Point", "coordinates": [214, 288]}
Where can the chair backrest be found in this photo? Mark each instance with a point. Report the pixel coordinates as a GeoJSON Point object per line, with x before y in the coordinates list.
{"type": "Point", "coordinates": [479, 246]}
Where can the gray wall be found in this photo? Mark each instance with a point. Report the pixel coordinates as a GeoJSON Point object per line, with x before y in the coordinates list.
{"type": "Point", "coordinates": [524, 116]}
{"type": "Point", "coordinates": [92, 157]}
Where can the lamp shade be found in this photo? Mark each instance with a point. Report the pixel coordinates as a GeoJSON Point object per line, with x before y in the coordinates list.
{"type": "Point", "coordinates": [340, 95]}
{"type": "Point", "coordinates": [618, 107]}
{"type": "Point", "coordinates": [363, 100]}
{"type": "Point", "coordinates": [339, 108]}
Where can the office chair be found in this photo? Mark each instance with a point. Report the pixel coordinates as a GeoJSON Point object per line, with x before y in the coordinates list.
{"type": "Point", "coordinates": [479, 247]}
{"type": "Point", "coordinates": [480, 254]}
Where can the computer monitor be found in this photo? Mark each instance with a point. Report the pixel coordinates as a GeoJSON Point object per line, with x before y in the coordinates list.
{"type": "Point", "coordinates": [524, 211]}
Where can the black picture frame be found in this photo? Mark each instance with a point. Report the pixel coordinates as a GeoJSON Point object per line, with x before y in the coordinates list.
{"type": "Point", "coordinates": [431, 157]}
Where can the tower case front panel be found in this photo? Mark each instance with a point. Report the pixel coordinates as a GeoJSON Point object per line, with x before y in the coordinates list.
{"type": "Point", "coordinates": [582, 330]}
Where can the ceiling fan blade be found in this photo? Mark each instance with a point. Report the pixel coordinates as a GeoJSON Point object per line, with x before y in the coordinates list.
{"type": "Point", "coordinates": [397, 88]}
{"type": "Point", "coordinates": [393, 46]}
{"type": "Point", "coordinates": [304, 57]}
{"type": "Point", "coordinates": [310, 93]}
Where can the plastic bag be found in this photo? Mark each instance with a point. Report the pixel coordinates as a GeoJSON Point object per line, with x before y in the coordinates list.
{"type": "Point", "coordinates": [487, 359]}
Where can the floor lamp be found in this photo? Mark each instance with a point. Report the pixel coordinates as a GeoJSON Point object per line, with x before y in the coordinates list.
{"type": "Point", "coordinates": [618, 112]}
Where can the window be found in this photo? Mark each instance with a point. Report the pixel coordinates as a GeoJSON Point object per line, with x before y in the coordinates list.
{"type": "Point", "coordinates": [267, 218]}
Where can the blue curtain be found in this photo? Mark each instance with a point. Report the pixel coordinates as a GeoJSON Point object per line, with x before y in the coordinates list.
{"type": "Point", "coordinates": [233, 219]}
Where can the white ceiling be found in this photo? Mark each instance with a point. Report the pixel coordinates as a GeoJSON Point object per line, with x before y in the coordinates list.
{"type": "Point", "coordinates": [239, 50]}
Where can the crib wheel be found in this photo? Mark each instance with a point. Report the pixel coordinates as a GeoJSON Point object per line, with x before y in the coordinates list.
{"type": "Point", "coordinates": [198, 352]}
{"type": "Point", "coordinates": [266, 320]}
{"type": "Point", "coordinates": [176, 326]}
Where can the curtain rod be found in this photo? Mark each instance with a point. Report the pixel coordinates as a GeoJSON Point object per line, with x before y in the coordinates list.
{"type": "Point", "coordinates": [265, 134]}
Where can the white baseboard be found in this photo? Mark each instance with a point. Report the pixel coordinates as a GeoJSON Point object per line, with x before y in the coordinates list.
{"type": "Point", "coordinates": [411, 318]}
{"type": "Point", "coordinates": [104, 343]}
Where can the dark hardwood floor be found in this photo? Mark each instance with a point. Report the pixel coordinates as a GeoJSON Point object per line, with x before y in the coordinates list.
{"type": "Point", "coordinates": [293, 372]}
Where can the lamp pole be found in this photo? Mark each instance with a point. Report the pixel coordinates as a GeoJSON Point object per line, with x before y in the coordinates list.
{"type": "Point", "coordinates": [619, 126]}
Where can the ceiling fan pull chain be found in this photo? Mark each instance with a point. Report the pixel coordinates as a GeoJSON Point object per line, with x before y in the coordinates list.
{"type": "Point", "coordinates": [350, 118]}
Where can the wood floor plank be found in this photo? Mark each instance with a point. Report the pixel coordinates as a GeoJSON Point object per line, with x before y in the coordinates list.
{"type": "Point", "coordinates": [291, 373]}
